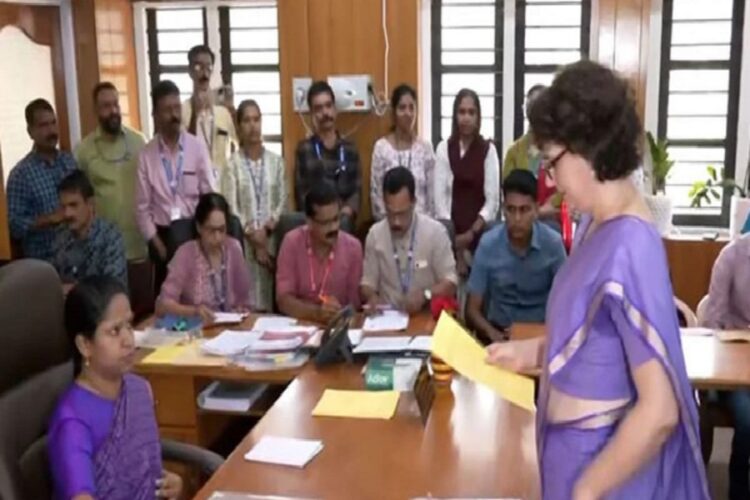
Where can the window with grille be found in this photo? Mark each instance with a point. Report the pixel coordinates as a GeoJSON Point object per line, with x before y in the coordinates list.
{"type": "Point", "coordinates": [549, 34]}
{"type": "Point", "coordinates": [699, 97]}
{"type": "Point", "coordinates": [171, 32]}
{"type": "Point", "coordinates": [250, 61]}
{"type": "Point", "coordinates": [467, 39]}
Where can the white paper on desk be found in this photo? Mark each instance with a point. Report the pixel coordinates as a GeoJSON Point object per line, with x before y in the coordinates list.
{"type": "Point", "coordinates": [387, 321]}
{"type": "Point", "coordinates": [382, 344]}
{"type": "Point", "coordinates": [266, 323]}
{"type": "Point", "coordinates": [284, 451]}
{"type": "Point", "coordinates": [228, 318]}
{"type": "Point", "coordinates": [355, 336]}
{"type": "Point", "coordinates": [421, 343]}
{"type": "Point", "coordinates": [697, 332]}
{"type": "Point", "coordinates": [230, 342]}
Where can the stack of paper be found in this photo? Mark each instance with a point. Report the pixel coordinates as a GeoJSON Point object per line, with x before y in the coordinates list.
{"type": "Point", "coordinates": [455, 346]}
{"type": "Point", "coordinates": [265, 323]}
{"type": "Point", "coordinates": [372, 345]}
{"type": "Point", "coordinates": [382, 344]}
{"type": "Point", "coordinates": [357, 404]}
{"type": "Point", "coordinates": [284, 451]}
{"type": "Point", "coordinates": [230, 342]}
{"type": "Point", "coordinates": [355, 336]}
{"type": "Point", "coordinates": [228, 318]}
{"type": "Point", "coordinates": [733, 335]}
{"type": "Point", "coordinates": [697, 332]}
{"type": "Point", "coordinates": [228, 396]}
{"type": "Point", "coordinates": [387, 321]}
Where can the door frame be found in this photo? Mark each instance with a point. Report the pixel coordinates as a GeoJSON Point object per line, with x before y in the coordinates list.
{"type": "Point", "coordinates": [69, 62]}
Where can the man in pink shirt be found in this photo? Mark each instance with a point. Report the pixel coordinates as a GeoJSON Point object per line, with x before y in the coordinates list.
{"type": "Point", "coordinates": [174, 169]}
{"type": "Point", "coordinates": [318, 267]}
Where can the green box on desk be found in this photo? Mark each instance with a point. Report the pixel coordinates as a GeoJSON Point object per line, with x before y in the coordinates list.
{"type": "Point", "coordinates": [391, 374]}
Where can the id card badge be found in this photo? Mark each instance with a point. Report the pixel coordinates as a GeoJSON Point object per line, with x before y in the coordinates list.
{"type": "Point", "coordinates": [174, 214]}
{"type": "Point", "coordinates": [421, 264]}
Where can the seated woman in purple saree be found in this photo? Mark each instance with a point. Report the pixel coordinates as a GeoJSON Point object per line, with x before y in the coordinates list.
{"type": "Point", "coordinates": [103, 440]}
{"type": "Point", "coordinates": [616, 417]}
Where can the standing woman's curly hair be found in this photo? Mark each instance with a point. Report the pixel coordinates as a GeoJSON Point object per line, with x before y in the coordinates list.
{"type": "Point", "coordinates": [590, 110]}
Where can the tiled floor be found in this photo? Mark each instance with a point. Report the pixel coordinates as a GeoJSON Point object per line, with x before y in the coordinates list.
{"type": "Point", "coordinates": [717, 469]}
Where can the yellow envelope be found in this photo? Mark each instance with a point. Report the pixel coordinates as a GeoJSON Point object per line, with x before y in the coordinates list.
{"type": "Point", "coordinates": [193, 356]}
{"type": "Point", "coordinates": [357, 404]}
{"type": "Point", "coordinates": [455, 346]}
{"type": "Point", "coordinates": [164, 355]}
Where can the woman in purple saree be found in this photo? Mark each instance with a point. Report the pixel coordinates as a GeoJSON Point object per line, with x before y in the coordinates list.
{"type": "Point", "coordinates": [615, 416]}
{"type": "Point", "coordinates": [103, 438]}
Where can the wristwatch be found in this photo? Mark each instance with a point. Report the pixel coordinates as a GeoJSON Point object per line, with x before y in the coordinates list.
{"type": "Point", "coordinates": [428, 295]}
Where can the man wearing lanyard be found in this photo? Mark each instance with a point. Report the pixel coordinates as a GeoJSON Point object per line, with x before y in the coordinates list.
{"type": "Point", "coordinates": [408, 256]}
{"type": "Point", "coordinates": [326, 155]}
{"type": "Point", "coordinates": [202, 116]}
{"type": "Point", "coordinates": [174, 169]}
{"type": "Point", "coordinates": [319, 267]}
{"type": "Point", "coordinates": [109, 157]}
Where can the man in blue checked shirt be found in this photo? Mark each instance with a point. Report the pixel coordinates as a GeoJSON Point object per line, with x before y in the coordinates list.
{"type": "Point", "coordinates": [33, 205]}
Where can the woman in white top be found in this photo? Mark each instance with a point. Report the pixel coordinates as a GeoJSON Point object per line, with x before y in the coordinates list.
{"type": "Point", "coordinates": [467, 177]}
{"type": "Point", "coordinates": [402, 148]}
{"type": "Point", "coordinates": [254, 184]}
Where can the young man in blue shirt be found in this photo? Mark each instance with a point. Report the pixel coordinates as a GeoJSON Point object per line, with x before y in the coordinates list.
{"type": "Point", "coordinates": [514, 264]}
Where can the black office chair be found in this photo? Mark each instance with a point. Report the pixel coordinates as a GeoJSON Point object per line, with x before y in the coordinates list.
{"type": "Point", "coordinates": [292, 220]}
{"type": "Point", "coordinates": [183, 230]}
{"type": "Point", "coordinates": [451, 229]}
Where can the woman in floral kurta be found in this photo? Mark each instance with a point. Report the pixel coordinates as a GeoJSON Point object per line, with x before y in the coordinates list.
{"type": "Point", "coordinates": [254, 184]}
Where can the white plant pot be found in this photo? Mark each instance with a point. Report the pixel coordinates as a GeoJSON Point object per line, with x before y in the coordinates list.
{"type": "Point", "coordinates": [739, 210]}
{"type": "Point", "coordinates": [661, 210]}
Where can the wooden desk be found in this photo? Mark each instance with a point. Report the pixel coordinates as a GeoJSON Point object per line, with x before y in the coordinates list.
{"type": "Point", "coordinates": [710, 363]}
{"type": "Point", "coordinates": [176, 388]}
{"type": "Point", "coordinates": [474, 445]}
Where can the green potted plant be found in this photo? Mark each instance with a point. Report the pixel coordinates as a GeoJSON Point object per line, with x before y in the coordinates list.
{"type": "Point", "coordinates": [658, 202]}
{"type": "Point", "coordinates": [709, 190]}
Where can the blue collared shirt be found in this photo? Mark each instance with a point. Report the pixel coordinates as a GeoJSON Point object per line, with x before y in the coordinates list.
{"type": "Point", "coordinates": [32, 192]}
{"type": "Point", "coordinates": [100, 253]}
{"type": "Point", "coordinates": [515, 287]}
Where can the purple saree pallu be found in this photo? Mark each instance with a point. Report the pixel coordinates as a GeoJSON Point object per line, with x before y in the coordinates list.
{"type": "Point", "coordinates": [611, 309]}
{"type": "Point", "coordinates": [128, 463]}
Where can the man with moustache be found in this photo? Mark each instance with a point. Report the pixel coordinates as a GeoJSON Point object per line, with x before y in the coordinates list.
{"type": "Point", "coordinates": [109, 157]}
{"type": "Point", "coordinates": [87, 245]}
{"type": "Point", "coordinates": [326, 155]}
{"type": "Point", "coordinates": [33, 210]}
{"type": "Point", "coordinates": [174, 170]}
{"type": "Point", "coordinates": [318, 267]}
{"type": "Point", "coordinates": [201, 116]}
{"type": "Point", "coordinates": [408, 256]}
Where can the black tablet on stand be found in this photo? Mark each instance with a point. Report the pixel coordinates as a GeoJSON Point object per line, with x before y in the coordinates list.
{"type": "Point", "coordinates": [335, 346]}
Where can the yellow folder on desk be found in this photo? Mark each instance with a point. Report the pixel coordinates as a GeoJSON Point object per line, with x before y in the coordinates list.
{"type": "Point", "coordinates": [165, 355]}
{"type": "Point", "coordinates": [455, 346]}
{"type": "Point", "coordinates": [357, 404]}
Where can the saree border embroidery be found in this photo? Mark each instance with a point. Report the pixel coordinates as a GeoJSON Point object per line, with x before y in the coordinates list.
{"type": "Point", "coordinates": [654, 340]}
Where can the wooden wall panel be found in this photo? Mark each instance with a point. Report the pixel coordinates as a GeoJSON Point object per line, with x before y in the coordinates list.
{"type": "Point", "coordinates": [5, 250]}
{"type": "Point", "coordinates": [329, 37]}
{"type": "Point", "coordinates": [623, 37]}
{"type": "Point", "coordinates": [87, 61]}
{"type": "Point", "coordinates": [116, 54]}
